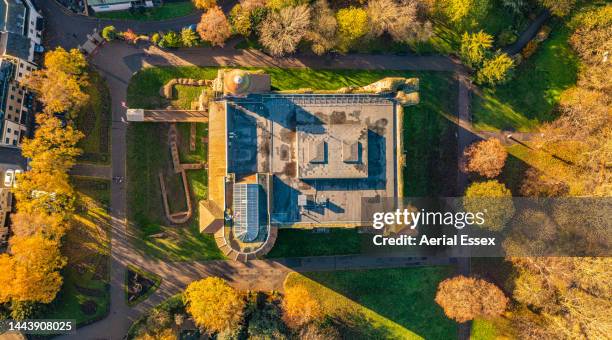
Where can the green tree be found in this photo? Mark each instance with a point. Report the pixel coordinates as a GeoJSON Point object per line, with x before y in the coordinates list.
{"type": "Point", "coordinates": [474, 47]}
{"type": "Point", "coordinates": [109, 33]}
{"type": "Point", "coordinates": [213, 304]}
{"type": "Point", "coordinates": [352, 25]}
{"type": "Point", "coordinates": [189, 38]}
{"type": "Point", "coordinates": [494, 199]}
{"type": "Point", "coordinates": [495, 70]}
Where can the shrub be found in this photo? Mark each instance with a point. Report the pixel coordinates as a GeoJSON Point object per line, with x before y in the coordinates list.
{"type": "Point", "coordinates": [189, 38]}
{"type": "Point", "coordinates": [300, 308]}
{"type": "Point", "coordinates": [109, 33]}
{"type": "Point", "coordinates": [155, 38]}
{"type": "Point", "coordinates": [529, 49]}
{"type": "Point", "coordinates": [170, 40]}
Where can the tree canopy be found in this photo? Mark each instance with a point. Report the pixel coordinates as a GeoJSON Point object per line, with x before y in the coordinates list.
{"type": "Point", "coordinates": [466, 298]}
{"type": "Point", "coordinates": [213, 304]}
{"type": "Point", "coordinates": [214, 27]}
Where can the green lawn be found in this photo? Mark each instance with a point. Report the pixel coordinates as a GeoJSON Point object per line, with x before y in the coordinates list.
{"type": "Point", "coordinates": [529, 98]}
{"type": "Point", "coordinates": [148, 153]}
{"type": "Point", "coordinates": [85, 293]}
{"type": "Point", "coordinates": [94, 120]}
{"type": "Point", "coordinates": [298, 242]}
{"type": "Point", "coordinates": [382, 303]}
{"type": "Point", "coordinates": [166, 11]}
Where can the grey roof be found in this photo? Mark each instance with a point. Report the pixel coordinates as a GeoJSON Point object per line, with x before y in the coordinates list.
{"type": "Point", "coordinates": [107, 2]}
{"type": "Point", "coordinates": [14, 45]}
{"type": "Point", "coordinates": [332, 150]}
{"type": "Point", "coordinates": [12, 16]}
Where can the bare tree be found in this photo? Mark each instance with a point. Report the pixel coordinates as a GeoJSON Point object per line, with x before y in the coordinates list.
{"type": "Point", "coordinates": [281, 31]}
{"type": "Point", "coordinates": [398, 19]}
{"type": "Point", "coordinates": [322, 33]}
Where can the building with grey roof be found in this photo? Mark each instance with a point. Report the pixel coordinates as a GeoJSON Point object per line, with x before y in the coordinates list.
{"type": "Point", "coordinates": [20, 38]}
{"type": "Point", "coordinates": [119, 5]}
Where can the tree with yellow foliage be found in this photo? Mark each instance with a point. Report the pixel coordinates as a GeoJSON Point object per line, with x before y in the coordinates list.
{"type": "Point", "coordinates": [213, 304]}
{"type": "Point", "coordinates": [60, 83]}
{"type": "Point", "coordinates": [352, 24]}
{"type": "Point", "coordinates": [7, 277]}
{"type": "Point", "coordinates": [300, 308]}
{"type": "Point", "coordinates": [205, 4]}
{"type": "Point", "coordinates": [37, 262]}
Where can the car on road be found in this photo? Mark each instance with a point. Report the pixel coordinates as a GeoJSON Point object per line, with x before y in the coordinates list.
{"type": "Point", "coordinates": [9, 176]}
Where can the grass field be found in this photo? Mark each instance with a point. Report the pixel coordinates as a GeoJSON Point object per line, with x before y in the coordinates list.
{"type": "Point", "coordinates": [94, 120]}
{"type": "Point", "coordinates": [166, 11]}
{"type": "Point", "coordinates": [85, 293]}
{"type": "Point", "coordinates": [147, 155]}
{"type": "Point", "coordinates": [382, 303]}
{"type": "Point", "coordinates": [529, 97]}
{"type": "Point", "coordinates": [297, 243]}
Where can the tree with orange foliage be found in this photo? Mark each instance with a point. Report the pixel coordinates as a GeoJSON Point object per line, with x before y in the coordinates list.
{"type": "Point", "coordinates": [487, 158]}
{"type": "Point", "coordinates": [7, 277]}
{"type": "Point", "coordinates": [214, 27]}
{"type": "Point", "coordinates": [300, 308]}
{"type": "Point", "coordinates": [465, 298]}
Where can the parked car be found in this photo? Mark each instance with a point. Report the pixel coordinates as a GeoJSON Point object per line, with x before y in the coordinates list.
{"type": "Point", "coordinates": [9, 176]}
{"type": "Point", "coordinates": [17, 173]}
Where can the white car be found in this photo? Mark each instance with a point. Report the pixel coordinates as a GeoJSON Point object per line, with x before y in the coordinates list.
{"type": "Point", "coordinates": [17, 173]}
{"type": "Point", "coordinates": [9, 176]}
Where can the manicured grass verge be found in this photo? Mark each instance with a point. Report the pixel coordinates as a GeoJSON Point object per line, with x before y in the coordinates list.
{"type": "Point", "coordinates": [94, 121]}
{"type": "Point", "coordinates": [298, 242]}
{"type": "Point", "coordinates": [529, 98]}
{"type": "Point", "coordinates": [85, 293]}
{"type": "Point", "coordinates": [150, 276]}
{"type": "Point", "coordinates": [166, 11]}
{"type": "Point", "coordinates": [382, 303]}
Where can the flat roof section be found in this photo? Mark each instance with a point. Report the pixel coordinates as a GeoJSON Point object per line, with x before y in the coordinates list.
{"type": "Point", "coordinates": [332, 150]}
